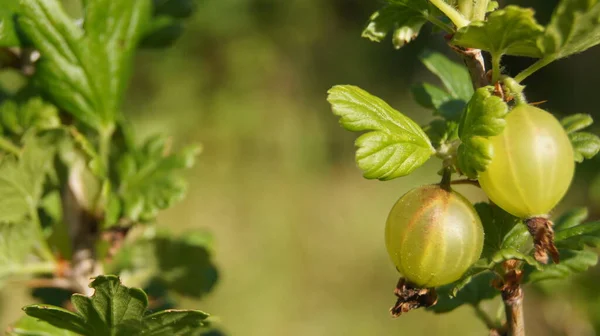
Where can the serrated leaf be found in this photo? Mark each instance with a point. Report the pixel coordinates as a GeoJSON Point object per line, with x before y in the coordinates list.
{"type": "Point", "coordinates": [454, 76]}
{"type": "Point", "coordinates": [585, 145]}
{"type": "Point", "coordinates": [512, 254]}
{"type": "Point", "coordinates": [483, 118]}
{"type": "Point", "coordinates": [518, 238]}
{"type": "Point", "coordinates": [405, 23]}
{"type": "Point", "coordinates": [116, 310]}
{"type": "Point", "coordinates": [478, 289]}
{"type": "Point", "coordinates": [34, 113]}
{"type": "Point", "coordinates": [85, 73]}
{"type": "Point", "coordinates": [571, 262]}
{"type": "Point", "coordinates": [394, 145]}
{"type": "Point", "coordinates": [30, 326]}
{"type": "Point", "coordinates": [151, 179]}
{"type": "Point", "coordinates": [510, 31]}
{"type": "Point", "coordinates": [21, 180]}
{"type": "Point", "coordinates": [443, 104]}
{"type": "Point", "coordinates": [576, 122]}
{"type": "Point", "coordinates": [497, 223]}
{"type": "Point", "coordinates": [571, 218]}
{"type": "Point", "coordinates": [574, 27]}
{"type": "Point", "coordinates": [183, 264]}
{"type": "Point", "coordinates": [577, 237]}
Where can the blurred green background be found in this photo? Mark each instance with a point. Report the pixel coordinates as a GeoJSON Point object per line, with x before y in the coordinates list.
{"type": "Point", "coordinates": [299, 232]}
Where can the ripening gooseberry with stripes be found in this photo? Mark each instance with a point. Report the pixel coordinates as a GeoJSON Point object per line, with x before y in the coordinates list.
{"type": "Point", "coordinates": [433, 236]}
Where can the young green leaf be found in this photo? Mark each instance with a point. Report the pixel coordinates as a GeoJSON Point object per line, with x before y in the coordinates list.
{"type": "Point", "coordinates": [405, 23]}
{"type": "Point", "coordinates": [21, 180]}
{"type": "Point", "coordinates": [116, 310]}
{"type": "Point", "coordinates": [30, 326]}
{"type": "Point", "coordinates": [160, 259]}
{"type": "Point", "coordinates": [576, 122]}
{"type": "Point", "coordinates": [35, 114]}
{"type": "Point", "coordinates": [85, 73]}
{"type": "Point", "coordinates": [483, 118]}
{"type": "Point", "coordinates": [571, 262]}
{"type": "Point", "coordinates": [585, 145]}
{"type": "Point", "coordinates": [574, 27]}
{"type": "Point", "coordinates": [150, 179]}
{"type": "Point", "coordinates": [478, 289]}
{"type": "Point", "coordinates": [394, 145]}
{"type": "Point", "coordinates": [510, 31]}
{"type": "Point", "coordinates": [454, 76]}
{"type": "Point", "coordinates": [8, 31]}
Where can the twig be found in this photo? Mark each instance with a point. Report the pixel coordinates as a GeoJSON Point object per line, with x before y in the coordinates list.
{"type": "Point", "coordinates": [513, 304]}
{"type": "Point", "coordinates": [473, 59]}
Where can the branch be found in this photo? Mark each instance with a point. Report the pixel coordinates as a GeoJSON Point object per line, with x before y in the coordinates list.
{"type": "Point", "coordinates": [513, 305]}
{"type": "Point", "coordinates": [473, 59]}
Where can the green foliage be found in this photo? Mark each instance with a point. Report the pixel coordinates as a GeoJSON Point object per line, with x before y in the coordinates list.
{"type": "Point", "coordinates": [17, 249]}
{"type": "Point", "coordinates": [404, 22]}
{"type": "Point", "coordinates": [117, 310]}
{"type": "Point", "coordinates": [166, 25]}
{"type": "Point", "coordinates": [86, 70]}
{"type": "Point", "coordinates": [182, 264]}
{"type": "Point", "coordinates": [483, 118]}
{"type": "Point", "coordinates": [8, 30]}
{"type": "Point", "coordinates": [585, 145]}
{"type": "Point", "coordinates": [574, 27]}
{"type": "Point", "coordinates": [394, 145]}
{"type": "Point", "coordinates": [571, 262]}
{"type": "Point", "coordinates": [509, 31]}
{"type": "Point", "coordinates": [150, 179]}
{"type": "Point", "coordinates": [479, 289]}
{"type": "Point", "coordinates": [497, 224]}
{"type": "Point", "coordinates": [30, 326]}
{"type": "Point", "coordinates": [17, 118]}
{"type": "Point", "coordinates": [454, 76]}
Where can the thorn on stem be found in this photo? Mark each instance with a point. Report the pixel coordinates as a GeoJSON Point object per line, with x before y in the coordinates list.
{"type": "Point", "coordinates": [411, 297]}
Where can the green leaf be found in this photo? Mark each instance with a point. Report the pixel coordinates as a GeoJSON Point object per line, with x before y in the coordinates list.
{"type": "Point", "coordinates": [577, 237]}
{"type": "Point", "coordinates": [183, 264]}
{"type": "Point", "coordinates": [394, 145]}
{"type": "Point", "coordinates": [8, 32]}
{"type": "Point", "coordinates": [571, 218]}
{"type": "Point", "coordinates": [116, 310]}
{"type": "Point", "coordinates": [443, 104]}
{"type": "Point", "coordinates": [85, 73]}
{"type": "Point", "coordinates": [576, 122]}
{"type": "Point", "coordinates": [585, 145]}
{"type": "Point", "coordinates": [511, 31]}
{"type": "Point", "coordinates": [405, 23]}
{"type": "Point", "coordinates": [478, 289]}
{"type": "Point", "coordinates": [34, 113]}
{"type": "Point", "coordinates": [571, 262]}
{"type": "Point", "coordinates": [180, 9]}
{"type": "Point", "coordinates": [442, 131]}
{"type": "Point", "coordinates": [162, 33]}
{"type": "Point", "coordinates": [17, 248]}
{"type": "Point", "coordinates": [518, 238]}
{"type": "Point", "coordinates": [29, 326]}
{"type": "Point", "coordinates": [483, 118]}
{"type": "Point", "coordinates": [574, 27]}
{"type": "Point", "coordinates": [21, 180]}
{"type": "Point", "coordinates": [454, 76]}
{"type": "Point", "coordinates": [151, 180]}
{"type": "Point", "coordinates": [497, 223]}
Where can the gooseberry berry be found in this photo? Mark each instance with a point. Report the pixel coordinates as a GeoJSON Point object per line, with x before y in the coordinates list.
{"type": "Point", "coordinates": [433, 236]}
{"type": "Point", "coordinates": [532, 166]}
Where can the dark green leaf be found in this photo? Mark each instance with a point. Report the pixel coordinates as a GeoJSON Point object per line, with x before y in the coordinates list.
{"type": "Point", "coordinates": [497, 223]}
{"type": "Point", "coordinates": [478, 289]}
{"type": "Point", "coordinates": [116, 310]}
{"type": "Point", "coordinates": [518, 238]}
{"type": "Point", "coordinates": [394, 145]}
{"type": "Point", "coordinates": [443, 104]}
{"type": "Point", "coordinates": [182, 263]}
{"type": "Point", "coordinates": [577, 237]}
{"type": "Point", "coordinates": [151, 179]}
{"type": "Point", "coordinates": [405, 23]}
{"type": "Point", "coordinates": [8, 31]}
{"type": "Point", "coordinates": [86, 74]}
{"type": "Point", "coordinates": [162, 33]}
{"type": "Point", "coordinates": [511, 31]}
{"type": "Point", "coordinates": [576, 122]}
{"type": "Point", "coordinates": [483, 118]}
{"type": "Point", "coordinates": [585, 145]}
{"type": "Point", "coordinates": [454, 76]}
{"type": "Point", "coordinates": [30, 326]}
{"type": "Point", "coordinates": [180, 9]}
{"type": "Point", "coordinates": [574, 27]}
{"type": "Point", "coordinates": [442, 131]}
{"type": "Point", "coordinates": [571, 218]}
{"type": "Point", "coordinates": [571, 262]}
